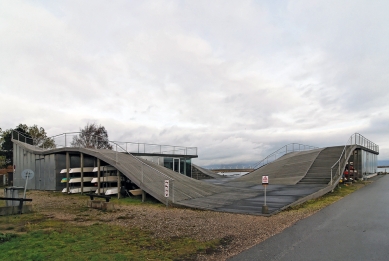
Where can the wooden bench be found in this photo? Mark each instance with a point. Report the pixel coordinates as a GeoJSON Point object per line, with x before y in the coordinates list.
{"type": "Point", "coordinates": [21, 200]}
{"type": "Point", "coordinates": [91, 195]}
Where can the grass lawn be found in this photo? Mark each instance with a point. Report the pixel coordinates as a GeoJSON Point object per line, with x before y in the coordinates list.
{"type": "Point", "coordinates": [34, 236]}
{"type": "Point", "coordinates": [340, 191]}
{"type": "Point", "coordinates": [57, 240]}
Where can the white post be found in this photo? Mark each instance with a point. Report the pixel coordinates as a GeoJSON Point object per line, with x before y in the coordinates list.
{"type": "Point", "coordinates": [25, 186]}
{"type": "Point", "coordinates": [331, 176]}
{"type": "Point", "coordinates": [142, 170]}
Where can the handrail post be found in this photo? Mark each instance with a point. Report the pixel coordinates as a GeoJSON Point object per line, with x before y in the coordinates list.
{"type": "Point", "coordinates": [339, 168]}
{"type": "Point", "coordinates": [331, 176]}
{"type": "Point", "coordinates": [142, 170]}
{"type": "Point", "coordinates": [65, 140]}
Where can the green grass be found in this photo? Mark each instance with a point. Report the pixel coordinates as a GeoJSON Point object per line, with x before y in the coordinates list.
{"type": "Point", "coordinates": [137, 201]}
{"type": "Point", "coordinates": [329, 198]}
{"type": "Point", "coordinates": [57, 240]}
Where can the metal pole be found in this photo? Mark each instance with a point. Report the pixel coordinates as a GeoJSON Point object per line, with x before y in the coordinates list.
{"type": "Point", "coordinates": [331, 176]}
{"type": "Point", "coordinates": [65, 139]}
{"type": "Point", "coordinates": [339, 167]}
{"type": "Point", "coordinates": [265, 195]}
{"type": "Point", "coordinates": [25, 186]}
{"type": "Point", "coordinates": [116, 153]}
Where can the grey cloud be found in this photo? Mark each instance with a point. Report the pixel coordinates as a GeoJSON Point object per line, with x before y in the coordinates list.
{"type": "Point", "coordinates": [237, 80]}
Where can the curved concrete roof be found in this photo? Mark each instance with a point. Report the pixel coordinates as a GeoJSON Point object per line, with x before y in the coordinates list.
{"type": "Point", "coordinates": [242, 195]}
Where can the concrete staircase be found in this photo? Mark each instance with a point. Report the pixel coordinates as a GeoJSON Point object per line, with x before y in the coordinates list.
{"type": "Point", "coordinates": [320, 171]}
{"type": "Point", "coordinates": [287, 170]}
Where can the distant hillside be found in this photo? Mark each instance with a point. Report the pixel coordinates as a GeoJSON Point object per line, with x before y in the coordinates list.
{"type": "Point", "coordinates": [383, 162]}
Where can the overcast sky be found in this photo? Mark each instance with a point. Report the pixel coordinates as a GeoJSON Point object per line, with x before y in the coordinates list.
{"type": "Point", "coordinates": [237, 79]}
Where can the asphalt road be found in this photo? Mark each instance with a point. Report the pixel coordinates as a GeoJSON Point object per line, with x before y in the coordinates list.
{"type": "Point", "coordinates": [354, 228]}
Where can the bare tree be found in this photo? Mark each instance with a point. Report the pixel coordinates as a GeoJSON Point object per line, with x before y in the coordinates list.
{"type": "Point", "coordinates": [92, 136]}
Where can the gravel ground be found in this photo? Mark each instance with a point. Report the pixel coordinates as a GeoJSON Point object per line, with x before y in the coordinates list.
{"type": "Point", "coordinates": [239, 232]}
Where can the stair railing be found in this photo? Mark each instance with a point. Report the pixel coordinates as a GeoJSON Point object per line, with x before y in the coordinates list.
{"type": "Point", "coordinates": [292, 147]}
{"type": "Point", "coordinates": [355, 139]}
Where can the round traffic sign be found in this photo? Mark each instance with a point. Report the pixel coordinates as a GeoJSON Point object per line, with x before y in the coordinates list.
{"type": "Point", "coordinates": [27, 174]}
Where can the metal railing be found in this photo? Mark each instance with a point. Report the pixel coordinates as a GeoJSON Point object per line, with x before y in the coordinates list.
{"type": "Point", "coordinates": [355, 139]}
{"type": "Point", "coordinates": [135, 147]}
{"type": "Point", "coordinates": [153, 176]}
{"type": "Point", "coordinates": [65, 139]}
{"type": "Point", "coordinates": [292, 147]}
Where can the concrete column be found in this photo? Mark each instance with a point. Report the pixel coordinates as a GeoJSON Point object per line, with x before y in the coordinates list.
{"type": "Point", "coordinates": [98, 176]}
{"type": "Point", "coordinates": [82, 172]}
{"type": "Point", "coordinates": [67, 171]}
{"type": "Point", "coordinates": [143, 195]}
{"type": "Point", "coordinates": [119, 183]}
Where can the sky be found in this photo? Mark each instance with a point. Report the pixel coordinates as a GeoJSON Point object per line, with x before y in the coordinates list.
{"type": "Point", "coordinates": [236, 79]}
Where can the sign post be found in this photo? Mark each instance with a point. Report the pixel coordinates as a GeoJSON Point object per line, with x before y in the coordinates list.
{"type": "Point", "coordinates": [27, 174]}
{"type": "Point", "coordinates": [167, 191]}
{"type": "Point", "coordinates": [265, 182]}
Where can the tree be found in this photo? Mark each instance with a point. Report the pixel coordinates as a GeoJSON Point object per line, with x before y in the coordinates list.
{"type": "Point", "coordinates": [40, 138]}
{"type": "Point", "coordinates": [31, 135]}
{"type": "Point", "coordinates": [7, 145]}
{"type": "Point", "coordinates": [92, 136]}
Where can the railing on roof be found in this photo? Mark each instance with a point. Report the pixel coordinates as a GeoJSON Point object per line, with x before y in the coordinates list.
{"type": "Point", "coordinates": [355, 139]}
{"type": "Point", "coordinates": [134, 147]}
{"type": "Point", "coordinates": [67, 140]}
{"type": "Point", "coordinates": [292, 147]}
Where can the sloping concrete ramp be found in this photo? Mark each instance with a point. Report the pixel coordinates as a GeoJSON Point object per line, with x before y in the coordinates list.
{"type": "Point", "coordinates": [287, 170]}
{"type": "Point", "coordinates": [243, 195]}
